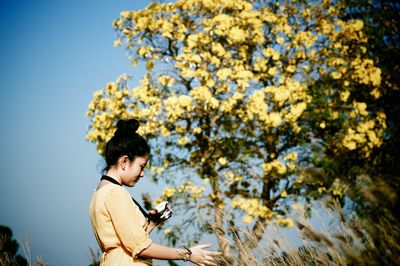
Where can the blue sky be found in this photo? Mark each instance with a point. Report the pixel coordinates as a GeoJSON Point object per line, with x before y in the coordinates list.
{"type": "Point", "coordinates": [53, 56]}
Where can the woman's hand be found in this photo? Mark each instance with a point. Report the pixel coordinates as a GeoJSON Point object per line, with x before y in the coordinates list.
{"type": "Point", "coordinates": [202, 257]}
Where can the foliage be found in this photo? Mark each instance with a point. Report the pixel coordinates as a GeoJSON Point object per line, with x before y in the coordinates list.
{"type": "Point", "coordinates": [9, 248]}
{"type": "Point", "coordinates": [251, 102]}
{"type": "Point", "coordinates": [382, 28]}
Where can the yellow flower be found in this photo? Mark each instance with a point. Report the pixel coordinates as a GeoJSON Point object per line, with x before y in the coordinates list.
{"type": "Point", "coordinates": [336, 75]}
{"type": "Point", "coordinates": [150, 65]}
{"type": "Point", "coordinates": [197, 130]}
{"type": "Point", "coordinates": [361, 108]}
{"type": "Point", "coordinates": [185, 101]}
{"type": "Point", "coordinates": [285, 222]}
{"type": "Point", "coordinates": [373, 138]}
{"type": "Point", "coordinates": [280, 40]}
{"type": "Point", "coordinates": [272, 71]}
{"type": "Point", "coordinates": [375, 93]}
{"type": "Point", "coordinates": [160, 170]}
{"type": "Point", "coordinates": [291, 68]}
{"type": "Point", "coordinates": [247, 219]}
{"type": "Point", "coordinates": [337, 192]}
{"type": "Point", "coordinates": [344, 95]}
{"type": "Point", "coordinates": [182, 141]}
{"type": "Point", "coordinates": [168, 192]}
{"type": "Point", "coordinates": [167, 232]}
{"type": "Point", "coordinates": [222, 161]}
{"type": "Point", "coordinates": [165, 132]}
{"type": "Point", "coordinates": [224, 73]}
{"type": "Point", "coordinates": [117, 43]}
{"type": "Point", "coordinates": [291, 156]}
{"type": "Point", "coordinates": [351, 145]}
{"type": "Point", "coordinates": [236, 34]}
{"type": "Point", "coordinates": [266, 167]}
{"type": "Point", "coordinates": [275, 118]}
{"type": "Point", "coordinates": [127, 14]}
{"type": "Point", "coordinates": [166, 81]}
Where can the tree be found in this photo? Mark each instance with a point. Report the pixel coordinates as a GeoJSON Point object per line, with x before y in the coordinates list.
{"type": "Point", "coordinates": [249, 100]}
{"type": "Point", "coordinates": [374, 194]}
{"type": "Point", "coordinates": [381, 19]}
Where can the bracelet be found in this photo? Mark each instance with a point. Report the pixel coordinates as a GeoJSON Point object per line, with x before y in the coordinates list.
{"type": "Point", "coordinates": [187, 252]}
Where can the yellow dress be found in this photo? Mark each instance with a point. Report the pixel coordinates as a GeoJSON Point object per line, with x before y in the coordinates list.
{"type": "Point", "coordinates": [119, 226]}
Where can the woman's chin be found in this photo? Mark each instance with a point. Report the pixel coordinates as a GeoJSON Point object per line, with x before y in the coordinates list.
{"type": "Point", "coordinates": [133, 183]}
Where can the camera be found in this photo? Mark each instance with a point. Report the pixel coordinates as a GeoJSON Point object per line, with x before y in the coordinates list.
{"type": "Point", "coordinates": [162, 212]}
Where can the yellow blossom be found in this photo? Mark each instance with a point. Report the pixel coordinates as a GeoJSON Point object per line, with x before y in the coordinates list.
{"type": "Point", "coordinates": [291, 68]}
{"type": "Point", "coordinates": [375, 93]}
{"type": "Point", "coordinates": [182, 141]}
{"type": "Point", "coordinates": [237, 35]}
{"type": "Point", "coordinates": [275, 119]}
{"type": "Point", "coordinates": [344, 95]}
{"type": "Point", "coordinates": [272, 71]}
{"type": "Point", "coordinates": [165, 132]}
{"type": "Point", "coordinates": [167, 232]}
{"type": "Point", "coordinates": [291, 156]}
{"type": "Point", "coordinates": [280, 40]}
{"type": "Point", "coordinates": [168, 192]}
{"type": "Point", "coordinates": [247, 219]}
{"type": "Point", "coordinates": [197, 130]}
{"type": "Point", "coordinates": [336, 75]}
{"type": "Point", "coordinates": [117, 43]}
{"type": "Point", "coordinates": [222, 161]}
{"type": "Point", "coordinates": [361, 108]}
{"type": "Point", "coordinates": [166, 81]}
{"type": "Point", "coordinates": [285, 222]}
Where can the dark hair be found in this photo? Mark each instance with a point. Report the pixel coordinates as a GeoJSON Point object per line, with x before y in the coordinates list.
{"type": "Point", "coordinates": [125, 142]}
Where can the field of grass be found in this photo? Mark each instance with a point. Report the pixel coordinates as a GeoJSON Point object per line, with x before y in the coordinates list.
{"type": "Point", "coordinates": [328, 238]}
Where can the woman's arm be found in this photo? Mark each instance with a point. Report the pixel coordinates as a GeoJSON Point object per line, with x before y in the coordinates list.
{"type": "Point", "coordinates": [157, 251]}
{"type": "Point", "coordinates": [198, 254]}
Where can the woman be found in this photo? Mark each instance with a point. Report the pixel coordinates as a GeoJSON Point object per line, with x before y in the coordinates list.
{"type": "Point", "coordinates": [120, 225]}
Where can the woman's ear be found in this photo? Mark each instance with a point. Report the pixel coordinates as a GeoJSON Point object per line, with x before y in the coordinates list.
{"type": "Point", "coordinates": [124, 162]}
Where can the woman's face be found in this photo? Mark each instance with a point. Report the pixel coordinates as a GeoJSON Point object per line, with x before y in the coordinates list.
{"type": "Point", "coordinates": [135, 170]}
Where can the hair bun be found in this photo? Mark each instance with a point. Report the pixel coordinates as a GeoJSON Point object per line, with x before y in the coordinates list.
{"type": "Point", "coordinates": [126, 127]}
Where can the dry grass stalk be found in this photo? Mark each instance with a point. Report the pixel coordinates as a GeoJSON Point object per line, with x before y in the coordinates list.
{"type": "Point", "coordinates": [344, 242]}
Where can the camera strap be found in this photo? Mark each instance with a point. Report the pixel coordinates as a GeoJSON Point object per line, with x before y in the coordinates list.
{"type": "Point", "coordinates": [112, 180]}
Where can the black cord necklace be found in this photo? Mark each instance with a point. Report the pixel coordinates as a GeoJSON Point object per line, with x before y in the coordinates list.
{"type": "Point", "coordinates": [112, 180]}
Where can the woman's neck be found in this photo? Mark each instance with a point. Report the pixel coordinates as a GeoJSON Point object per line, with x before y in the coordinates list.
{"type": "Point", "coordinates": [113, 173]}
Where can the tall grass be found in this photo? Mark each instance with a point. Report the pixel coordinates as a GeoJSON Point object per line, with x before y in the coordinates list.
{"type": "Point", "coordinates": [7, 258]}
{"type": "Point", "coordinates": [327, 237]}
{"type": "Point", "coordinates": [331, 239]}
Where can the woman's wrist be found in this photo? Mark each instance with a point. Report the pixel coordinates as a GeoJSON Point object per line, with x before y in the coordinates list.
{"type": "Point", "coordinates": [185, 253]}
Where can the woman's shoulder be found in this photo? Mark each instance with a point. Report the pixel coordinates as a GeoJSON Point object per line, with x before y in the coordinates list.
{"type": "Point", "coordinates": [109, 187]}
{"type": "Point", "coordinates": [111, 190]}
